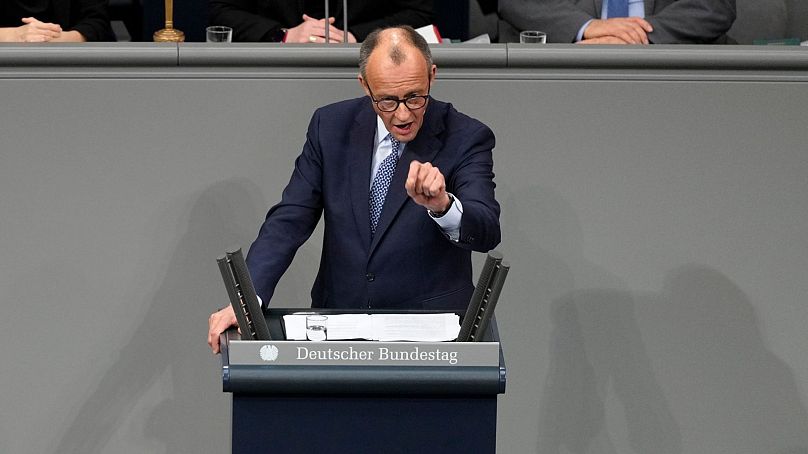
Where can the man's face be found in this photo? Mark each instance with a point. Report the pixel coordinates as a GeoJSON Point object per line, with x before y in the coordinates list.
{"type": "Point", "coordinates": [388, 80]}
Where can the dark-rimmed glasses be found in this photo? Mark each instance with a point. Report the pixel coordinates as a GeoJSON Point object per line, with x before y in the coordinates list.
{"type": "Point", "coordinates": [413, 102]}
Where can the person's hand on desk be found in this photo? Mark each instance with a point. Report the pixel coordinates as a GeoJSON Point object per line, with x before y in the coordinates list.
{"type": "Point", "coordinates": [603, 40]}
{"type": "Point", "coordinates": [33, 31]}
{"type": "Point", "coordinates": [427, 187]}
{"type": "Point", "coordinates": [631, 30]}
{"type": "Point", "coordinates": [312, 30]}
{"type": "Point", "coordinates": [71, 36]}
{"type": "Point", "coordinates": [218, 323]}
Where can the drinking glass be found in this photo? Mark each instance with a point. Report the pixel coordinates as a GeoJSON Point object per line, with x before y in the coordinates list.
{"type": "Point", "coordinates": [532, 37]}
{"type": "Point", "coordinates": [219, 34]}
{"type": "Point", "coordinates": [316, 327]}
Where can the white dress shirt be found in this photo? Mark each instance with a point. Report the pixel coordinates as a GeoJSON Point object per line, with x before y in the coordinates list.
{"type": "Point", "coordinates": [449, 222]}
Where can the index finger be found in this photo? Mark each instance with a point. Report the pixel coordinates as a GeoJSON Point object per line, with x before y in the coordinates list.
{"type": "Point", "coordinates": [412, 175]}
{"type": "Point", "coordinates": [48, 33]}
{"type": "Point", "coordinates": [334, 30]}
{"type": "Point", "coordinates": [213, 342]}
{"type": "Point", "coordinates": [642, 23]}
{"type": "Point", "coordinates": [631, 32]}
{"type": "Point", "coordinates": [46, 26]}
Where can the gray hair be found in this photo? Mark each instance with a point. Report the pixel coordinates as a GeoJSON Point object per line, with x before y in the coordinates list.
{"type": "Point", "coordinates": [396, 54]}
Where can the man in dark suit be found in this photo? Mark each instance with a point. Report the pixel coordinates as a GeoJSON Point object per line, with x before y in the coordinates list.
{"type": "Point", "coordinates": [404, 183]}
{"type": "Point", "coordinates": [303, 21]}
{"type": "Point", "coordinates": [648, 21]}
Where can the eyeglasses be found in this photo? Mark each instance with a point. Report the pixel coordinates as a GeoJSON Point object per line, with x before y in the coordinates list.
{"type": "Point", "coordinates": [413, 102]}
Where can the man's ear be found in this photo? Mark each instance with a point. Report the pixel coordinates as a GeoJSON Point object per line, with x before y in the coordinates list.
{"type": "Point", "coordinates": [363, 84]}
{"type": "Point", "coordinates": [432, 74]}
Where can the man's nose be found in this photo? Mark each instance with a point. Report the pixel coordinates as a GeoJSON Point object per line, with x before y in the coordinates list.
{"type": "Point", "coordinates": [402, 112]}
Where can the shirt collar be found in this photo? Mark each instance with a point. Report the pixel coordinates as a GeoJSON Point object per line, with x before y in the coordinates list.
{"type": "Point", "coordinates": [381, 131]}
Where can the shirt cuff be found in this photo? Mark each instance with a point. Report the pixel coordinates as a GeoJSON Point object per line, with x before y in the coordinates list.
{"type": "Point", "coordinates": [580, 36]}
{"type": "Point", "coordinates": [450, 221]}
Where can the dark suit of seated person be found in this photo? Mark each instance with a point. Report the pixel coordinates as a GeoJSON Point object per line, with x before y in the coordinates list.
{"type": "Point", "coordinates": [304, 21]}
{"type": "Point", "coordinates": [404, 183]}
{"type": "Point", "coordinates": [619, 21]}
{"type": "Point", "coordinates": [54, 21]}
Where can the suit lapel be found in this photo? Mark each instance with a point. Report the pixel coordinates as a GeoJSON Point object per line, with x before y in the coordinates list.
{"type": "Point", "coordinates": [360, 146]}
{"type": "Point", "coordinates": [424, 148]}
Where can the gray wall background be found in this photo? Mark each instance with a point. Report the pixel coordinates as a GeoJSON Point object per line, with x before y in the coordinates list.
{"type": "Point", "coordinates": [655, 218]}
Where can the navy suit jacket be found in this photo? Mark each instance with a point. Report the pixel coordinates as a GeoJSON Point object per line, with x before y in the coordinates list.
{"type": "Point", "coordinates": [409, 263]}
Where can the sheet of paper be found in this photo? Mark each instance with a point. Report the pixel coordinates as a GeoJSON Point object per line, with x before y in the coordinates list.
{"type": "Point", "coordinates": [339, 326]}
{"type": "Point", "coordinates": [416, 327]}
{"type": "Point", "coordinates": [482, 39]}
{"type": "Point", "coordinates": [295, 326]}
{"type": "Point", "coordinates": [349, 326]}
{"type": "Point", "coordinates": [382, 327]}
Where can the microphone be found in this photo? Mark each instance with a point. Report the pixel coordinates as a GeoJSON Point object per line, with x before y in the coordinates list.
{"type": "Point", "coordinates": [484, 299]}
{"type": "Point", "coordinates": [242, 295]}
{"type": "Point", "coordinates": [344, 22]}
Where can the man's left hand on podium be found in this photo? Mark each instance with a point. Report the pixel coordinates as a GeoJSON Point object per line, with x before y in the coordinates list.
{"type": "Point", "coordinates": [218, 323]}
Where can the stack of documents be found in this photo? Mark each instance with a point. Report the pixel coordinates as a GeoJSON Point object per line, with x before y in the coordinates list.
{"type": "Point", "coordinates": [380, 327]}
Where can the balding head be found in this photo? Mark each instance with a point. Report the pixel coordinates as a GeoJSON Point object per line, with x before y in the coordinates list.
{"type": "Point", "coordinates": [396, 43]}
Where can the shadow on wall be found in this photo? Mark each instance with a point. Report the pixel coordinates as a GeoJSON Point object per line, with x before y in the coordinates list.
{"type": "Point", "coordinates": [710, 367]}
{"type": "Point", "coordinates": [739, 396]}
{"type": "Point", "coordinates": [170, 341]}
{"type": "Point", "coordinates": [682, 370]}
{"type": "Point", "coordinates": [595, 344]}
{"type": "Point", "coordinates": [572, 407]}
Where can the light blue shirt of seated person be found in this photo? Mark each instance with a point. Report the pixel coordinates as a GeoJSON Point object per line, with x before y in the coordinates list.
{"type": "Point", "coordinates": [636, 8]}
{"type": "Point", "coordinates": [449, 222]}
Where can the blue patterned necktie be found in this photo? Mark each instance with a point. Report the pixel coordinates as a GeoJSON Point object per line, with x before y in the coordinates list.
{"type": "Point", "coordinates": [378, 190]}
{"type": "Point", "coordinates": [617, 8]}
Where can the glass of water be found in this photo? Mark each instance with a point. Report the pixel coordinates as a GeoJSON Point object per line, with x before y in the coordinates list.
{"type": "Point", "coordinates": [532, 37]}
{"type": "Point", "coordinates": [219, 34]}
{"type": "Point", "coordinates": [316, 327]}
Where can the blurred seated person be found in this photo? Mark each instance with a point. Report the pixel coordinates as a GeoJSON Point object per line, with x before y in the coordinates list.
{"type": "Point", "coordinates": [41, 21]}
{"type": "Point", "coordinates": [301, 21]}
{"type": "Point", "coordinates": [619, 21]}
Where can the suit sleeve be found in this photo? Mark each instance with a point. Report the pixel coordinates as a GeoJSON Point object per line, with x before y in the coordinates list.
{"type": "Point", "coordinates": [289, 223]}
{"type": "Point", "coordinates": [244, 18]}
{"type": "Point", "coordinates": [415, 13]}
{"type": "Point", "coordinates": [473, 183]}
{"type": "Point", "coordinates": [560, 19]}
{"type": "Point", "coordinates": [93, 20]}
{"type": "Point", "coordinates": [692, 21]}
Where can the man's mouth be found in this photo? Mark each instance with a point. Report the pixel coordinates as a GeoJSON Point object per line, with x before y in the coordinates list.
{"type": "Point", "coordinates": [403, 128]}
